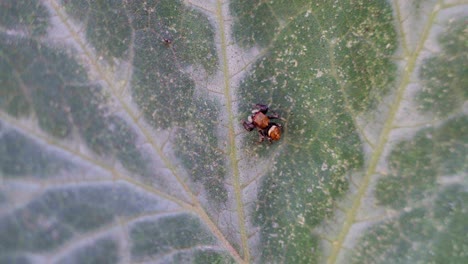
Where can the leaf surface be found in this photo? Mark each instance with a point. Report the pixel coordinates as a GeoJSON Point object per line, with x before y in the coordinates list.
{"type": "Point", "coordinates": [121, 136]}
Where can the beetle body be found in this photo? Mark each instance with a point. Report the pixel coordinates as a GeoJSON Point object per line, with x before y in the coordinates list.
{"type": "Point", "coordinates": [260, 120]}
{"type": "Point", "coordinates": [274, 132]}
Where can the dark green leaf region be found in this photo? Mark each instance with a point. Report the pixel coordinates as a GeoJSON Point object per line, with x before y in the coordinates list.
{"type": "Point", "coordinates": [107, 25]}
{"type": "Point", "coordinates": [29, 16]}
{"type": "Point", "coordinates": [350, 43]}
{"type": "Point", "coordinates": [432, 229]}
{"type": "Point", "coordinates": [416, 164]}
{"type": "Point", "coordinates": [197, 145]}
{"type": "Point", "coordinates": [22, 157]}
{"type": "Point", "coordinates": [166, 39]}
{"type": "Point", "coordinates": [166, 234]}
{"type": "Point", "coordinates": [49, 83]}
{"type": "Point", "coordinates": [432, 233]}
{"type": "Point", "coordinates": [169, 39]}
{"type": "Point", "coordinates": [102, 251]}
{"type": "Point", "coordinates": [323, 65]}
{"type": "Point", "coordinates": [56, 216]}
{"type": "Point", "coordinates": [445, 75]}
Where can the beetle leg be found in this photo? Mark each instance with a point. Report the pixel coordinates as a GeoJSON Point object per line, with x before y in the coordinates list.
{"type": "Point", "coordinates": [248, 126]}
{"type": "Point", "coordinates": [261, 138]}
{"type": "Point", "coordinates": [262, 108]}
{"type": "Point", "coordinates": [262, 134]}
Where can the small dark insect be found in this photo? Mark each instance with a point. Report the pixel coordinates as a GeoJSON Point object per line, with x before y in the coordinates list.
{"type": "Point", "coordinates": [260, 120]}
{"type": "Point", "coordinates": [167, 41]}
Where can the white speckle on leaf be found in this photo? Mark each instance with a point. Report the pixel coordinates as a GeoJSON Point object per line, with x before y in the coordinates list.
{"type": "Point", "coordinates": [295, 63]}
{"type": "Point", "coordinates": [301, 219]}
{"type": "Point", "coordinates": [324, 166]}
{"type": "Point", "coordinates": [319, 74]}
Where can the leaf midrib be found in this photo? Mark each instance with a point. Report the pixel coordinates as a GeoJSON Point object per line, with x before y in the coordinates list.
{"type": "Point", "coordinates": [232, 136]}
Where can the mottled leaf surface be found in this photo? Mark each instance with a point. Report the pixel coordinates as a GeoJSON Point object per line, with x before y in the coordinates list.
{"type": "Point", "coordinates": [121, 137]}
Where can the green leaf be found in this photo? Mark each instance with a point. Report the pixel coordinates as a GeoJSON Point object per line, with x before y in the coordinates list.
{"type": "Point", "coordinates": [121, 136]}
{"type": "Point", "coordinates": [446, 74]}
{"type": "Point", "coordinates": [104, 250]}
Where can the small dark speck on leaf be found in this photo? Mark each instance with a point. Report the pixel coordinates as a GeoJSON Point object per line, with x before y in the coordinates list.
{"type": "Point", "coordinates": [167, 41]}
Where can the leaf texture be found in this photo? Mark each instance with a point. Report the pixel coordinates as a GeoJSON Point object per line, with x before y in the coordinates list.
{"type": "Point", "coordinates": [121, 137]}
